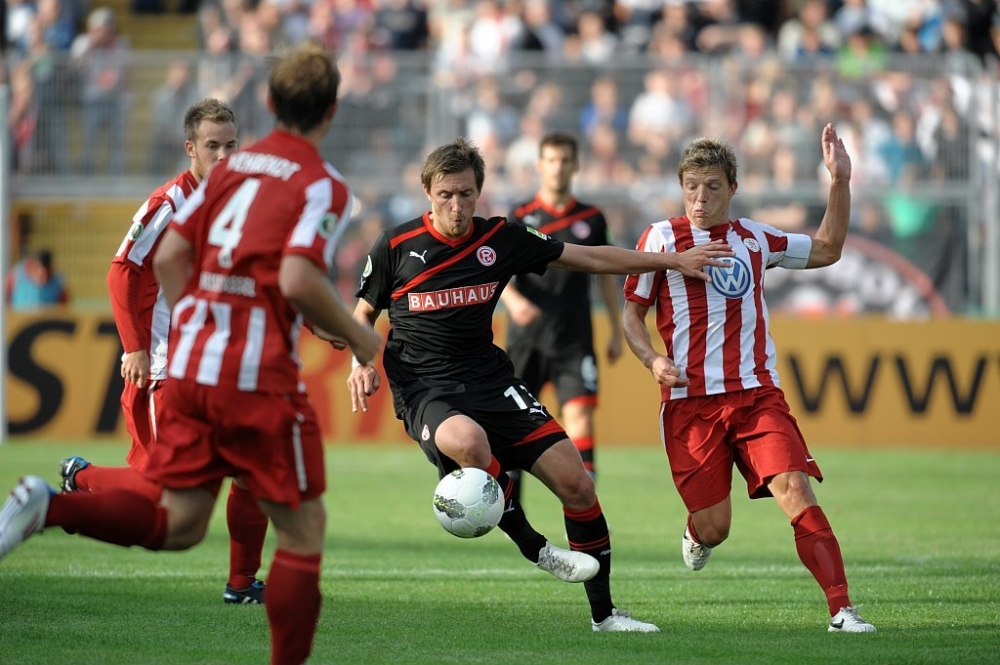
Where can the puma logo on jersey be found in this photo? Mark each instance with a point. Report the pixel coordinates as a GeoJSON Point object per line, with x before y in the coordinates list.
{"type": "Point", "coordinates": [420, 256]}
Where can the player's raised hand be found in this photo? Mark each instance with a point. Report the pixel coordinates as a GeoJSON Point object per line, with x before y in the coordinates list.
{"type": "Point", "coordinates": [835, 156]}
{"type": "Point", "coordinates": [692, 262]}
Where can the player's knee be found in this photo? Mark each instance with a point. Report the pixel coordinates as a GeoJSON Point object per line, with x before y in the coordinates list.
{"type": "Point", "coordinates": [713, 534]}
{"type": "Point", "coordinates": [578, 493]}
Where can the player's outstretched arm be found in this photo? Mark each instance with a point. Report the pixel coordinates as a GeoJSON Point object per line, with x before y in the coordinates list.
{"type": "Point", "coordinates": [828, 242]}
{"type": "Point", "coordinates": [364, 380]}
{"type": "Point", "coordinates": [607, 259]}
{"type": "Point", "coordinates": [303, 284]}
{"type": "Point", "coordinates": [663, 369]}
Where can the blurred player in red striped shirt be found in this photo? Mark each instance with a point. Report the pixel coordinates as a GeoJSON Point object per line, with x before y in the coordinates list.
{"type": "Point", "coordinates": [242, 266]}
{"type": "Point", "coordinates": [721, 401]}
{"type": "Point", "coordinates": [143, 322]}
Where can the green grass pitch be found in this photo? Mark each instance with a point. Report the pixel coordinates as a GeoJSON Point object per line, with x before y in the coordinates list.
{"type": "Point", "coordinates": [920, 532]}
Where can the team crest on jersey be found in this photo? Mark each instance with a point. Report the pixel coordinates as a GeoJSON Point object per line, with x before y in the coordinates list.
{"type": "Point", "coordinates": [486, 255]}
{"type": "Point", "coordinates": [732, 281]}
{"type": "Point", "coordinates": [580, 229]}
{"type": "Point", "coordinates": [752, 244]}
{"type": "Point", "coordinates": [538, 233]}
{"type": "Point", "coordinates": [328, 224]}
{"type": "Point", "coordinates": [531, 220]}
{"type": "Point", "coordinates": [135, 231]}
{"type": "Point", "coordinates": [425, 434]}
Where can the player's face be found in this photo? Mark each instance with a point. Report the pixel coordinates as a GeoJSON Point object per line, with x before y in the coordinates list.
{"type": "Point", "coordinates": [214, 142]}
{"type": "Point", "coordinates": [453, 200]}
{"type": "Point", "coordinates": [557, 165]}
{"type": "Point", "coordinates": [707, 193]}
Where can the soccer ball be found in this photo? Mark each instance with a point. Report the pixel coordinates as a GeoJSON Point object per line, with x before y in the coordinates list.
{"type": "Point", "coordinates": [468, 503]}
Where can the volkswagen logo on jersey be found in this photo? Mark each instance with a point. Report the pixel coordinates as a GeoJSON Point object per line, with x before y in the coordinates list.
{"type": "Point", "coordinates": [733, 281]}
{"type": "Point", "coordinates": [486, 255]}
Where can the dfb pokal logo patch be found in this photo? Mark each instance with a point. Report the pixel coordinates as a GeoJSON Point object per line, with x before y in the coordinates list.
{"type": "Point", "coordinates": [486, 255]}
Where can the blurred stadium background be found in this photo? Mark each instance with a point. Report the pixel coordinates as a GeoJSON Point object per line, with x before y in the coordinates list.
{"type": "Point", "coordinates": [95, 94]}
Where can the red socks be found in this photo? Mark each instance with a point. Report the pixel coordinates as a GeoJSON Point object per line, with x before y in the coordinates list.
{"type": "Point", "coordinates": [100, 478]}
{"type": "Point", "coordinates": [820, 553]}
{"type": "Point", "coordinates": [293, 602]}
{"type": "Point", "coordinates": [247, 528]}
{"type": "Point", "coordinates": [116, 516]}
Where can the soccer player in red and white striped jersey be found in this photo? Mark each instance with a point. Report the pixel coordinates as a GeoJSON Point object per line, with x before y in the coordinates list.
{"type": "Point", "coordinates": [722, 404]}
{"type": "Point", "coordinates": [143, 322]}
{"type": "Point", "coordinates": [242, 265]}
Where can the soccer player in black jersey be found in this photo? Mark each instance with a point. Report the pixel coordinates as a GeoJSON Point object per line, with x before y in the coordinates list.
{"type": "Point", "coordinates": [550, 336]}
{"type": "Point", "coordinates": [440, 277]}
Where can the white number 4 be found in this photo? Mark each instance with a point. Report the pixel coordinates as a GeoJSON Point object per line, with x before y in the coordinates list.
{"type": "Point", "coordinates": [227, 228]}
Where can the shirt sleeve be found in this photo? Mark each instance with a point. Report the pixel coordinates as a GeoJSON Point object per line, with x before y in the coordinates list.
{"type": "Point", "coordinates": [796, 254]}
{"type": "Point", "coordinates": [377, 278]}
{"type": "Point", "coordinates": [123, 290]}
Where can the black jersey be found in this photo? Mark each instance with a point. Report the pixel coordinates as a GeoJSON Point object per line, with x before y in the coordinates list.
{"type": "Point", "coordinates": [441, 293]}
{"type": "Point", "coordinates": [562, 295]}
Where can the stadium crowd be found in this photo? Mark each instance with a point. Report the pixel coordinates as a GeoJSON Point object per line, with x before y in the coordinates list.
{"type": "Point", "coordinates": [909, 82]}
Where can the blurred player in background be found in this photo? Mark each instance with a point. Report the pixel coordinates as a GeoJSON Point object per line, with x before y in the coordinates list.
{"type": "Point", "coordinates": [440, 277]}
{"type": "Point", "coordinates": [721, 401]}
{"type": "Point", "coordinates": [242, 265]}
{"type": "Point", "coordinates": [550, 338]}
{"type": "Point", "coordinates": [143, 322]}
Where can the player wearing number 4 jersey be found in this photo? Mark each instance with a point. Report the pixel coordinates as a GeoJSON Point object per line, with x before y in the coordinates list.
{"type": "Point", "coordinates": [143, 321]}
{"type": "Point", "coordinates": [242, 265]}
{"type": "Point", "coordinates": [721, 402]}
{"type": "Point", "coordinates": [440, 277]}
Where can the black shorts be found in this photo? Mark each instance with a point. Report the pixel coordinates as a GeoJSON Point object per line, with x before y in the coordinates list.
{"type": "Point", "coordinates": [518, 427]}
{"type": "Point", "coordinates": [573, 374]}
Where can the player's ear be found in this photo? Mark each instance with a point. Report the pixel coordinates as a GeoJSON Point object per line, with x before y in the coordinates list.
{"type": "Point", "coordinates": [190, 149]}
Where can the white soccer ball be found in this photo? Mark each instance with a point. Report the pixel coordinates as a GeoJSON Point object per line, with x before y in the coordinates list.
{"type": "Point", "coordinates": [468, 503]}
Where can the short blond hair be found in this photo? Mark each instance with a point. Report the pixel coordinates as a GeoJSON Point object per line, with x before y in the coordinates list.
{"type": "Point", "coordinates": [303, 86]}
{"type": "Point", "coordinates": [706, 153]}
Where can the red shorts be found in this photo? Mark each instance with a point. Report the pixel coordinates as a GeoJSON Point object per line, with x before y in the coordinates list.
{"type": "Point", "coordinates": [271, 441]}
{"type": "Point", "coordinates": [140, 406]}
{"type": "Point", "coordinates": [753, 429]}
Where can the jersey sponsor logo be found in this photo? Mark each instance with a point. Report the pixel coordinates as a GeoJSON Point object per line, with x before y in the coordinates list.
{"type": "Point", "coordinates": [486, 255]}
{"type": "Point", "coordinates": [135, 231]}
{"type": "Point", "coordinates": [752, 244]}
{"type": "Point", "coordinates": [580, 229]}
{"type": "Point", "coordinates": [462, 296]}
{"type": "Point", "coordinates": [732, 281]}
{"type": "Point", "coordinates": [537, 233]}
{"type": "Point", "coordinates": [422, 256]}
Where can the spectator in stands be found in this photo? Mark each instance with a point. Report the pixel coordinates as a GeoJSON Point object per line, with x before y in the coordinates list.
{"type": "Point", "coordinates": [401, 25]}
{"type": "Point", "coordinates": [33, 283]}
{"type": "Point", "coordinates": [811, 31]}
{"type": "Point", "coordinates": [541, 32]}
{"type": "Point", "coordinates": [603, 107]}
{"type": "Point", "coordinates": [57, 23]}
{"type": "Point", "coordinates": [171, 99]}
{"type": "Point", "coordinates": [101, 57]}
{"type": "Point", "coordinates": [597, 44]}
{"type": "Point", "coordinates": [494, 33]}
{"type": "Point", "coordinates": [659, 108]}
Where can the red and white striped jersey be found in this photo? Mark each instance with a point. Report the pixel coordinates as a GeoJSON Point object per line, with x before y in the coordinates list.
{"type": "Point", "coordinates": [141, 313]}
{"type": "Point", "coordinates": [232, 327]}
{"type": "Point", "coordinates": [717, 333]}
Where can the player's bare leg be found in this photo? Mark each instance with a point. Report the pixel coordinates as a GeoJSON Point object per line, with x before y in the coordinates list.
{"type": "Point", "coordinates": [561, 470]}
{"type": "Point", "coordinates": [818, 548]}
{"type": "Point", "coordinates": [705, 529]}
{"type": "Point", "coordinates": [464, 441]}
